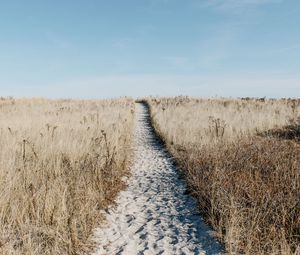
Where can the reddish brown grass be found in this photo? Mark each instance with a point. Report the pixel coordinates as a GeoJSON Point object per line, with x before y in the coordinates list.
{"type": "Point", "coordinates": [249, 191]}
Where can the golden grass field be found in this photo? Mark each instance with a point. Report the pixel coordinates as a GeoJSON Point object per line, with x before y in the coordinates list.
{"type": "Point", "coordinates": [241, 159]}
{"type": "Point", "coordinates": [61, 163]}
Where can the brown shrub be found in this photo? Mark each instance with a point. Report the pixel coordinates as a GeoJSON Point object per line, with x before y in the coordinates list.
{"type": "Point", "coordinates": [249, 191]}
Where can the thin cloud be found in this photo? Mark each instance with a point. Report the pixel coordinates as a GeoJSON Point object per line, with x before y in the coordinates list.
{"type": "Point", "coordinates": [236, 6]}
{"type": "Point", "coordinates": [290, 48]}
{"type": "Point", "coordinates": [122, 43]}
{"type": "Point", "coordinates": [58, 40]}
{"type": "Point", "coordinates": [176, 61]}
{"type": "Point", "coordinates": [163, 85]}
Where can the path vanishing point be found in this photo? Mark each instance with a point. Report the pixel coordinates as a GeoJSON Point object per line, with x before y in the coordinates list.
{"type": "Point", "coordinates": [155, 214]}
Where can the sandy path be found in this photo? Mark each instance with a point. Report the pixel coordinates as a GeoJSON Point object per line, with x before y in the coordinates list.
{"type": "Point", "coordinates": [154, 215]}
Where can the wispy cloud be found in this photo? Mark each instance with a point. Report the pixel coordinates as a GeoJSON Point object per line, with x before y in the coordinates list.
{"type": "Point", "coordinates": [145, 29]}
{"type": "Point", "coordinates": [289, 48]}
{"type": "Point", "coordinates": [214, 50]}
{"type": "Point", "coordinates": [236, 6]}
{"type": "Point", "coordinates": [122, 43]}
{"type": "Point", "coordinates": [58, 40]}
{"type": "Point", "coordinates": [163, 85]}
{"type": "Point", "coordinates": [231, 4]}
{"type": "Point", "coordinates": [176, 61]}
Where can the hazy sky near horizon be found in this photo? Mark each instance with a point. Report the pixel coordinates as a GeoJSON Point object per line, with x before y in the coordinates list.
{"type": "Point", "coordinates": [99, 48]}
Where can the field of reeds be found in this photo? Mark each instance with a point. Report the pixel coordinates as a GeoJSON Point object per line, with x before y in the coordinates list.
{"type": "Point", "coordinates": [241, 159]}
{"type": "Point", "coordinates": [61, 163]}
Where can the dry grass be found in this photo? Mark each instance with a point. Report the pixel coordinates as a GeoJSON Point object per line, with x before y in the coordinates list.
{"type": "Point", "coordinates": [61, 163]}
{"type": "Point", "coordinates": [187, 121]}
{"type": "Point", "coordinates": [241, 159]}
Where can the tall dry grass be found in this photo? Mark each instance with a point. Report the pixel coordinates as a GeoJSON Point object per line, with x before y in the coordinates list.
{"type": "Point", "coordinates": [241, 159]}
{"type": "Point", "coordinates": [61, 163]}
{"type": "Point", "coordinates": [186, 121]}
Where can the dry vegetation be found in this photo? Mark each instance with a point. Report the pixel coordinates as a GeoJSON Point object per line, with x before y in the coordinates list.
{"type": "Point", "coordinates": [61, 163]}
{"type": "Point", "coordinates": [241, 159]}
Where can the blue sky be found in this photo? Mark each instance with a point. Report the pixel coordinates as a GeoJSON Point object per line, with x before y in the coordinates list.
{"type": "Point", "coordinates": [99, 48]}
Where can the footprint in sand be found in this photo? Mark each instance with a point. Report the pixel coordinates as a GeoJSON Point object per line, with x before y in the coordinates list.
{"type": "Point", "coordinates": [169, 224]}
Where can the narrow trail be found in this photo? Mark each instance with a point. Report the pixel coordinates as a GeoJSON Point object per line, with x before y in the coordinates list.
{"type": "Point", "coordinates": [154, 215]}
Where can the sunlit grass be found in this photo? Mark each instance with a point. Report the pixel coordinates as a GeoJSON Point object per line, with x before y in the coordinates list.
{"type": "Point", "coordinates": [241, 159]}
{"type": "Point", "coordinates": [61, 163]}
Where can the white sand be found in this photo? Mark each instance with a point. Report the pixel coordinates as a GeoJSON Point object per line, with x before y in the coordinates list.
{"type": "Point", "coordinates": [154, 215]}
